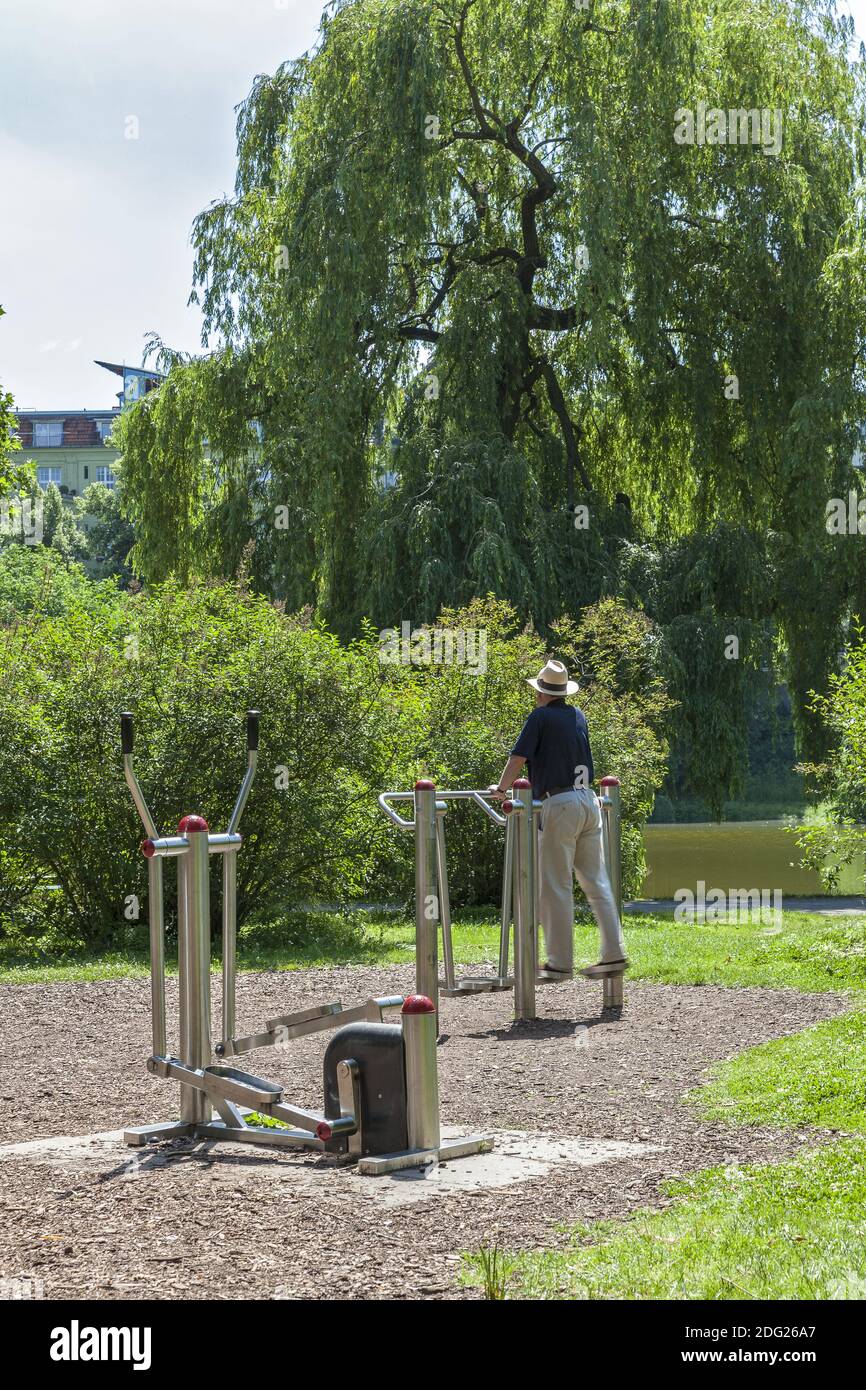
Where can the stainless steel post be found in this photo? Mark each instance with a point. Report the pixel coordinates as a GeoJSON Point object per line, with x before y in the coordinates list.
{"type": "Point", "coordinates": [537, 808]}
{"type": "Point", "coordinates": [156, 925]}
{"type": "Point", "coordinates": [193, 886]}
{"type": "Point", "coordinates": [230, 881]}
{"type": "Point", "coordinates": [612, 822]}
{"type": "Point", "coordinates": [426, 894]}
{"type": "Point", "coordinates": [505, 916]}
{"type": "Point", "coordinates": [612, 991]}
{"type": "Point", "coordinates": [444, 898]}
{"type": "Point", "coordinates": [422, 1077]}
{"type": "Point", "coordinates": [190, 1108]}
{"type": "Point", "coordinates": [525, 935]}
{"type": "Point", "coordinates": [230, 925]}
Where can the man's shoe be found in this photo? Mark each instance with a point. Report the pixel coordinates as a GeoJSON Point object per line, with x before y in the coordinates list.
{"type": "Point", "coordinates": [606, 967]}
{"type": "Point", "coordinates": [548, 975]}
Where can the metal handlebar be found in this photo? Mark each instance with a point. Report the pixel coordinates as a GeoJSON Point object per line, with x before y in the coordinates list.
{"type": "Point", "coordinates": [127, 732]}
{"type": "Point", "coordinates": [391, 813]}
{"type": "Point", "coordinates": [495, 816]}
{"type": "Point", "coordinates": [157, 847]}
{"type": "Point", "coordinates": [252, 758]}
{"type": "Point", "coordinates": [477, 796]}
{"type": "Point", "coordinates": [127, 739]}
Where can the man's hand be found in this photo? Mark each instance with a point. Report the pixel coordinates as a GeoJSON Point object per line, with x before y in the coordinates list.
{"type": "Point", "coordinates": [510, 771]}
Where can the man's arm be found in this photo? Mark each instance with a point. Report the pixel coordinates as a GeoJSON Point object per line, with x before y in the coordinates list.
{"type": "Point", "coordinates": [524, 749]}
{"type": "Point", "coordinates": [511, 770]}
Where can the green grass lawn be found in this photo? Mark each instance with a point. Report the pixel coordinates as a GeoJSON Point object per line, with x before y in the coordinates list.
{"type": "Point", "coordinates": [791, 1230]}
{"type": "Point", "coordinates": [817, 1077]}
{"type": "Point", "coordinates": [808, 952]}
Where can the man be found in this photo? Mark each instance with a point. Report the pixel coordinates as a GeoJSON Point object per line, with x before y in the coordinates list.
{"type": "Point", "coordinates": [554, 741]}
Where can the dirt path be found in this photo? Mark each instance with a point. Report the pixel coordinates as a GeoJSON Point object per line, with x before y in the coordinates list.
{"type": "Point", "coordinates": [586, 1112]}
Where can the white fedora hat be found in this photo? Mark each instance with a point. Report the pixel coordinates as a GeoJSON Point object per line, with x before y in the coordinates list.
{"type": "Point", "coordinates": [552, 679]}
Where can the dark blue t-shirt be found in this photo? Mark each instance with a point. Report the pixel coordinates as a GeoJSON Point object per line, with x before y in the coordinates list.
{"type": "Point", "coordinates": [555, 743]}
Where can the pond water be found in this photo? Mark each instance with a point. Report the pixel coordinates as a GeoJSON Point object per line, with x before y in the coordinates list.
{"type": "Point", "coordinates": [734, 854]}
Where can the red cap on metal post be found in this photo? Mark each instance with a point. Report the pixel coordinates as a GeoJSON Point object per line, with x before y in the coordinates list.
{"type": "Point", "coordinates": [425, 785]}
{"type": "Point", "coordinates": [147, 848]}
{"type": "Point", "coordinates": [522, 783]}
{"type": "Point", "coordinates": [609, 782]}
{"type": "Point", "coordinates": [417, 1004]}
{"type": "Point", "coordinates": [191, 825]}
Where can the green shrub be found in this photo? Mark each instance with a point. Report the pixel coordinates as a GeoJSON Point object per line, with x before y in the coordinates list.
{"type": "Point", "coordinates": [188, 665]}
{"type": "Point", "coordinates": [465, 725]}
{"type": "Point", "coordinates": [36, 579]}
{"type": "Point", "coordinates": [338, 725]}
{"type": "Point", "coordinates": [832, 840]}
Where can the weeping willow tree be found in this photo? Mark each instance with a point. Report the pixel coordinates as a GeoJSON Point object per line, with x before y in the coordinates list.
{"type": "Point", "coordinates": [546, 298]}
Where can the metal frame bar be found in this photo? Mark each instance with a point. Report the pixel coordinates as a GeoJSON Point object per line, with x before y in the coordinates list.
{"type": "Point", "coordinates": [426, 938]}
{"type": "Point", "coordinates": [230, 942]}
{"type": "Point", "coordinates": [235, 1094]}
{"type": "Point", "coordinates": [315, 1020]}
{"type": "Point", "coordinates": [444, 900]}
{"type": "Point", "coordinates": [426, 894]}
{"type": "Point", "coordinates": [507, 897]}
{"type": "Point", "coordinates": [611, 806]}
{"type": "Point", "coordinates": [520, 888]}
{"type": "Point", "coordinates": [525, 893]}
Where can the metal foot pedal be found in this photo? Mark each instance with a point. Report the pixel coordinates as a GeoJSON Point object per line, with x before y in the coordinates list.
{"type": "Point", "coordinates": [598, 972]}
{"type": "Point", "coordinates": [240, 1086]}
{"type": "Point", "coordinates": [476, 984]}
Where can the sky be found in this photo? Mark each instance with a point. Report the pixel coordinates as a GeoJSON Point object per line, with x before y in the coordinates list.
{"type": "Point", "coordinates": [94, 226]}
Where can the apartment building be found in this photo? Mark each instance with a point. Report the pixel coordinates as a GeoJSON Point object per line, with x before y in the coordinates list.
{"type": "Point", "coordinates": [70, 447]}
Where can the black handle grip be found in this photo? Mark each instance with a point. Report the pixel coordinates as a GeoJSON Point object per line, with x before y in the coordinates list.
{"type": "Point", "coordinates": [127, 733]}
{"type": "Point", "coordinates": [252, 730]}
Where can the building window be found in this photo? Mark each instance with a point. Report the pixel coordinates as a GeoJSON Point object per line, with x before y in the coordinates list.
{"type": "Point", "coordinates": [104, 427]}
{"type": "Point", "coordinates": [47, 434]}
{"type": "Point", "coordinates": [45, 475]}
{"type": "Point", "coordinates": [104, 475]}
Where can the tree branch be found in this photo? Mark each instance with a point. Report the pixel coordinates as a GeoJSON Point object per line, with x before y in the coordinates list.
{"type": "Point", "coordinates": [569, 435]}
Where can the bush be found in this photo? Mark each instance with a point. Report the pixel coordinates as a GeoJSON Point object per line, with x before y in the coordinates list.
{"type": "Point", "coordinates": [465, 725]}
{"type": "Point", "coordinates": [36, 579]}
{"type": "Point", "coordinates": [188, 664]}
{"type": "Point", "coordinates": [338, 726]}
{"type": "Point", "coordinates": [832, 842]}
{"type": "Point", "coordinates": [109, 538]}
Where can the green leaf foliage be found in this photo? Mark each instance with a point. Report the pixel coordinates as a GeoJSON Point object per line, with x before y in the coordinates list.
{"type": "Point", "coordinates": [339, 725]}
{"type": "Point", "coordinates": [474, 276]}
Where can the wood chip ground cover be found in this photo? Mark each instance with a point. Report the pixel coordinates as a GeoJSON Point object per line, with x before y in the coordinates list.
{"type": "Point", "coordinates": [225, 1222]}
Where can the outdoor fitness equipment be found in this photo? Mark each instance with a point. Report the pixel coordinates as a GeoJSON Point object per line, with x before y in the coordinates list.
{"type": "Point", "coordinates": [381, 1090]}
{"type": "Point", "coordinates": [519, 889]}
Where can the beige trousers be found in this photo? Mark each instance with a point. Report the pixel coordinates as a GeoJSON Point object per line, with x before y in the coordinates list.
{"type": "Point", "coordinates": [569, 844]}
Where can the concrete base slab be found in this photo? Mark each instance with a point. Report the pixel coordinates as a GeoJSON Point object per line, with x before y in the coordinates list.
{"type": "Point", "coordinates": [518, 1156]}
